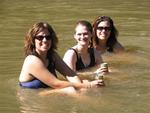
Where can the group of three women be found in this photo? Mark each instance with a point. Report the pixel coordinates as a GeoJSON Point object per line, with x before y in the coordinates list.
{"type": "Point", "coordinates": [42, 61]}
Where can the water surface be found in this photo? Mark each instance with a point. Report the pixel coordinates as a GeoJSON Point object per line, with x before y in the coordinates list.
{"type": "Point", "coordinates": [127, 87]}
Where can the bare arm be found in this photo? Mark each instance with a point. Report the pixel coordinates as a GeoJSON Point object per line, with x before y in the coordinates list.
{"type": "Point", "coordinates": [71, 75]}
{"type": "Point", "coordinates": [34, 66]}
{"type": "Point", "coordinates": [64, 69]}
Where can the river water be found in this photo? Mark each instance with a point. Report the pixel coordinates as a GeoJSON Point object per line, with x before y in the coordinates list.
{"type": "Point", "coordinates": [127, 86]}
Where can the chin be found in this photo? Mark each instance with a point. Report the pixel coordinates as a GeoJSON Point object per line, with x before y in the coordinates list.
{"type": "Point", "coordinates": [45, 49]}
{"type": "Point", "coordinates": [103, 38]}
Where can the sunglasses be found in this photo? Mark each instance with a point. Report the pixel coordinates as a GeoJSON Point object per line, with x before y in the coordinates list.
{"type": "Point", "coordinates": [104, 28]}
{"type": "Point", "coordinates": [40, 37]}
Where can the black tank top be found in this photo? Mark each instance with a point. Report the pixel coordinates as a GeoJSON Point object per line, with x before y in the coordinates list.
{"type": "Point", "coordinates": [79, 63]}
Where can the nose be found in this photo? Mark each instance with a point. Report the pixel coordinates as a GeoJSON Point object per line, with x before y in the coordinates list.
{"type": "Point", "coordinates": [44, 39]}
{"type": "Point", "coordinates": [82, 35]}
{"type": "Point", "coordinates": [103, 30]}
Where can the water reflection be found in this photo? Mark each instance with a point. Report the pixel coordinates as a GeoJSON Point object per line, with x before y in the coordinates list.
{"type": "Point", "coordinates": [31, 102]}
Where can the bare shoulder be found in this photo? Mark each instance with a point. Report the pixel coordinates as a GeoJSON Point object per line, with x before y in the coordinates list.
{"type": "Point", "coordinates": [29, 64]}
{"type": "Point", "coordinates": [69, 54]}
{"type": "Point", "coordinates": [118, 47]}
{"type": "Point", "coordinates": [32, 60]}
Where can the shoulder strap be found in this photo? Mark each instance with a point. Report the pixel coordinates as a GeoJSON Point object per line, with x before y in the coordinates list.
{"type": "Point", "coordinates": [75, 52]}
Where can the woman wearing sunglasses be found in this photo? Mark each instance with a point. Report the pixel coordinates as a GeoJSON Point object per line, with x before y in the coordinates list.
{"type": "Point", "coordinates": [41, 61]}
{"type": "Point", "coordinates": [105, 35]}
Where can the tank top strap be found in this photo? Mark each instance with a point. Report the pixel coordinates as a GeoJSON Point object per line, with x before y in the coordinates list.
{"type": "Point", "coordinates": [79, 63]}
{"type": "Point", "coordinates": [75, 52]}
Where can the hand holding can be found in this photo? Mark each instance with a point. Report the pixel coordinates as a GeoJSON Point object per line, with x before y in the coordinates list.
{"type": "Point", "coordinates": [99, 76]}
{"type": "Point", "coordinates": [104, 67]}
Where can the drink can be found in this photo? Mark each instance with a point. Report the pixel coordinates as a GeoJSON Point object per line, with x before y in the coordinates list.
{"type": "Point", "coordinates": [104, 65]}
{"type": "Point", "coordinates": [99, 76]}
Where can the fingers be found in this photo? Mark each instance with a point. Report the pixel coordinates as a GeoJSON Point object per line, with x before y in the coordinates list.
{"type": "Point", "coordinates": [97, 83]}
{"type": "Point", "coordinates": [101, 83]}
{"type": "Point", "coordinates": [102, 70]}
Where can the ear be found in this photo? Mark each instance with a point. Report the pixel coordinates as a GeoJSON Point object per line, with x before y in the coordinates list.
{"type": "Point", "coordinates": [75, 36]}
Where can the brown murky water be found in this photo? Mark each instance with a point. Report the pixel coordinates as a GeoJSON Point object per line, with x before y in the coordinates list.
{"type": "Point", "coordinates": [127, 86]}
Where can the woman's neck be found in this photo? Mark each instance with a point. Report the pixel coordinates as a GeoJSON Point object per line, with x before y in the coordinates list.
{"type": "Point", "coordinates": [82, 49]}
{"type": "Point", "coordinates": [102, 45]}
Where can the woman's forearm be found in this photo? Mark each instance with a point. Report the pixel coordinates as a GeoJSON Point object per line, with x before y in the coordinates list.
{"type": "Point", "coordinates": [63, 84]}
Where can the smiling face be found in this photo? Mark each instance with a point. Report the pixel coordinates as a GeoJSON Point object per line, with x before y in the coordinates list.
{"type": "Point", "coordinates": [103, 30]}
{"type": "Point", "coordinates": [82, 35]}
{"type": "Point", "coordinates": [42, 41]}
